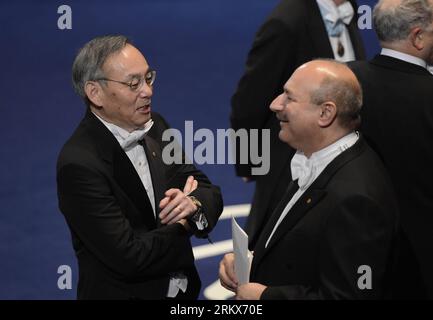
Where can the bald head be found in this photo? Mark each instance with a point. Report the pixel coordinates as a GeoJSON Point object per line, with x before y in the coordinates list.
{"type": "Point", "coordinates": [320, 104]}
{"type": "Point", "coordinates": [332, 81]}
{"type": "Point", "coordinates": [322, 69]}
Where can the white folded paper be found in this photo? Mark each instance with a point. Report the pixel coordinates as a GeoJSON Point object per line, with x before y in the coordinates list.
{"type": "Point", "coordinates": [243, 256]}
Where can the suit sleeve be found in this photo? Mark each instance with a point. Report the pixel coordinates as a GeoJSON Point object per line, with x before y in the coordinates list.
{"type": "Point", "coordinates": [95, 216]}
{"type": "Point", "coordinates": [358, 234]}
{"type": "Point", "coordinates": [271, 55]}
{"type": "Point", "coordinates": [207, 193]}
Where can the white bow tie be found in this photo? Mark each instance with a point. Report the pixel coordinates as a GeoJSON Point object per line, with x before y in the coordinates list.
{"type": "Point", "coordinates": [303, 170]}
{"type": "Point", "coordinates": [333, 15]}
{"type": "Point", "coordinates": [306, 170]}
{"type": "Point", "coordinates": [343, 12]}
{"type": "Point", "coordinates": [129, 141]}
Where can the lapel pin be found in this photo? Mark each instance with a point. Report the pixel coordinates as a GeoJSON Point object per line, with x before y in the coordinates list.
{"type": "Point", "coordinates": [154, 154]}
{"type": "Point", "coordinates": [309, 200]}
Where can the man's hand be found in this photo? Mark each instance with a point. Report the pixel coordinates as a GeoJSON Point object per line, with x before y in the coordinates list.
{"type": "Point", "coordinates": [176, 205]}
{"type": "Point", "coordinates": [190, 185]}
{"type": "Point", "coordinates": [250, 291]}
{"type": "Point", "coordinates": [227, 274]}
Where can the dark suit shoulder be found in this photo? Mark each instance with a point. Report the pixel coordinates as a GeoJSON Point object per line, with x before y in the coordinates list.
{"type": "Point", "coordinates": [289, 13]}
{"type": "Point", "coordinates": [358, 65]}
{"type": "Point", "coordinates": [385, 65]}
{"type": "Point", "coordinates": [355, 178]}
{"type": "Point", "coordinates": [79, 149]}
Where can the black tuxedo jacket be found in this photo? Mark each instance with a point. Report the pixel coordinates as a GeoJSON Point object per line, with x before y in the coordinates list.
{"type": "Point", "coordinates": [123, 252]}
{"type": "Point", "coordinates": [346, 219]}
{"type": "Point", "coordinates": [293, 34]}
{"type": "Point", "coordinates": [397, 121]}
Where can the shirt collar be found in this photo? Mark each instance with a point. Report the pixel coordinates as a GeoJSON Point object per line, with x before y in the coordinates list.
{"type": "Point", "coordinates": [337, 147]}
{"type": "Point", "coordinates": [403, 56]}
{"type": "Point", "coordinates": [306, 170]}
{"type": "Point", "coordinates": [125, 138]}
{"type": "Point", "coordinates": [332, 13]}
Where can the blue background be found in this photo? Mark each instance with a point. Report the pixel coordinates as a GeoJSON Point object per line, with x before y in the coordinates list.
{"type": "Point", "coordinates": [199, 49]}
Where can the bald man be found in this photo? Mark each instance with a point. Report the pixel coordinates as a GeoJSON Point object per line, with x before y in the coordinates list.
{"type": "Point", "coordinates": [331, 235]}
{"type": "Point", "coordinates": [295, 32]}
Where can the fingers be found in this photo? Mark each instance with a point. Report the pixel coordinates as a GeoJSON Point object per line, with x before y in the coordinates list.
{"type": "Point", "coordinates": [242, 292]}
{"type": "Point", "coordinates": [250, 291]}
{"type": "Point", "coordinates": [170, 202]}
{"type": "Point", "coordinates": [175, 206]}
{"type": "Point", "coordinates": [169, 196]}
{"type": "Point", "coordinates": [188, 185]}
{"type": "Point", "coordinates": [194, 186]}
{"type": "Point", "coordinates": [164, 202]}
{"type": "Point", "coordinates": [227, 273]}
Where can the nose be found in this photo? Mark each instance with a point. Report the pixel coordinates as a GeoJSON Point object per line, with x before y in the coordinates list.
{"type": "Point", "coordinates": [146, 91]}
{"type": "Point", "coordinates": [277, 105]}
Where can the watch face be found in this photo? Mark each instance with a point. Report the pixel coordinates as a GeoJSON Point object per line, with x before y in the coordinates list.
{"type": "Point", "coordinates": [202, 220]}
{"type": "Point", "coordinates": [197, 215]}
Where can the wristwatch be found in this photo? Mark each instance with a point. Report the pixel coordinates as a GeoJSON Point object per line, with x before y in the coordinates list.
{"type": "Point", "coordinates": [198, 217]}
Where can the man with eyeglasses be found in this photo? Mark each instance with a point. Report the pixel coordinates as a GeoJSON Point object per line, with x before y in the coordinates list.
{"type": "Point", "coordinates": [130, 214]}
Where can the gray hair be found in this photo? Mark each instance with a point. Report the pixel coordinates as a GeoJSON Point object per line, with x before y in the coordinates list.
{"type": "Point", "coordinates": [345, 93]}
{"type": "Point", "coordinates": [88, 63]}
{"type": "Point", "coordinates": [394, 22]}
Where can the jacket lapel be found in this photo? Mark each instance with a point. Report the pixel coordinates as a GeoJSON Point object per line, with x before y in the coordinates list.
{"type": "Point", "coordinates": [122, 169]}
{"type": "Point", "coordinates": [355, 36]}
{"type": "Point", "coordinates": [317, 31]}
{"type": "Point", "coordinates": [157, 172]}
{"type": "Point", "coordinates": [311, 197]}
{"type": "Point", "coordinates": [263, 237]}
{"type": "Point", "coordinates": [307, 201]}
{"type": "Point", "coordinates": [127, 178]}
{"type": "Point", "coordinates": [319, 35]}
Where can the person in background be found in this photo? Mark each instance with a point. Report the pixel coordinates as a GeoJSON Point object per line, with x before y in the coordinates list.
{"type": "Point", "coordinates": [398, 123]}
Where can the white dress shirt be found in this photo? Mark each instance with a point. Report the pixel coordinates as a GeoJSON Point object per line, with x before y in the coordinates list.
{"type": "Point", "coordinates": [135, 153]}
{"type": "Point", "coordinates": [306, 170]}
{"type": "Point", "coordinates": [129, 143]}
{"type": "Point", "coordinates": [406, 57]}
{"type": "Point", "coordinates": [330, 15]}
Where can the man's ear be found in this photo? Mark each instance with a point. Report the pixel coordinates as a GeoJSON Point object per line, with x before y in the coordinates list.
{"type": "Point", "coordinates": [94, 92]}
{"type": "Point", "coordinates": [416, 38]}
{"type": "Point", "coordinates": [328, 113]}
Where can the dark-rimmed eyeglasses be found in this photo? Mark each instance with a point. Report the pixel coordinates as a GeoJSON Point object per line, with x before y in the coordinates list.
{"type": "Point", "coordinates": [136, 83]}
